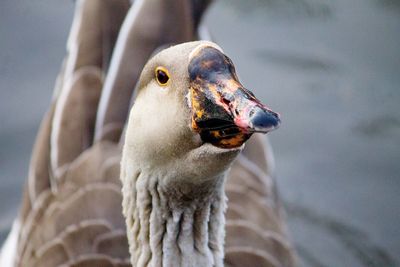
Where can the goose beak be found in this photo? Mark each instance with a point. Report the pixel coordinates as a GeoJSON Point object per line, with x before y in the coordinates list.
{"type": "Point", "coordinates": [224, 113]}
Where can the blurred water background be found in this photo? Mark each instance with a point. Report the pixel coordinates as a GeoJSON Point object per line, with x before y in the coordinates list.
{"type": "Point", "coordinates": [330, 67]}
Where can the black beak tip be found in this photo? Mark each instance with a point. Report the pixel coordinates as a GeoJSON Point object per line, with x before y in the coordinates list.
{"type": "Point", "coordinates": [265, 120]}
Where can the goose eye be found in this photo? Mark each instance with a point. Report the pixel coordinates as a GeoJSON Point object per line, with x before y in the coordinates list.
{"type": "Point", "coordinates": [162, 76]}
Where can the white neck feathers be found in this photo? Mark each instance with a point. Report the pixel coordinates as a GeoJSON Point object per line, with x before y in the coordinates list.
{"type": "Point", "coordinates": [173, 226]}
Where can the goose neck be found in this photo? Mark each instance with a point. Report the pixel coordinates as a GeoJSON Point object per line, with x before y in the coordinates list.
{"type": "Point", "coordinates": [174, 225]}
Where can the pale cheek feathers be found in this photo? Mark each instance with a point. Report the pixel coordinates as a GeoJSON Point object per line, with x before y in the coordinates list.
{"type": "Point", "coordinates": [159, 123]}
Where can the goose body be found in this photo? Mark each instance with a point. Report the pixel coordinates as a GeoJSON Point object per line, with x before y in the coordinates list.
{"type": "Point", "coordinates": [159, 196]}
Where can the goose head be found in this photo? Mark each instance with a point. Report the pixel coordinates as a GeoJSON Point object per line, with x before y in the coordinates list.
{"type": "Point", "coordinates": [191, 115]}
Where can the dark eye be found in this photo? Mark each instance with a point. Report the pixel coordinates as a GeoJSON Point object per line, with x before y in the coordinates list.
{"type": "Point", "coordinates": [162, 76]}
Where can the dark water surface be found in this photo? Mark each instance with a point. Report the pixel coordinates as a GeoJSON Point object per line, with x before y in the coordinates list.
{"type": "Point", "coordinates": [331, 68]}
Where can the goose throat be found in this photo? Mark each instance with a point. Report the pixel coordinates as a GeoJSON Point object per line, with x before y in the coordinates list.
{"type": "Point", "coordinates": [178, 226]}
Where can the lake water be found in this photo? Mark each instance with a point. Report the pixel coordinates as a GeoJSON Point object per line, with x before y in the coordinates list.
{"type": "Point", "coordinates": [331, 68]}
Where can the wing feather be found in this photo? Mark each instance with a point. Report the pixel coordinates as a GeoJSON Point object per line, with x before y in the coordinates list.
{"type": "Point", "coordinates": [256, 232]}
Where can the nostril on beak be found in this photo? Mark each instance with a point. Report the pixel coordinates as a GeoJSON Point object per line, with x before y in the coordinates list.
{"type": "Point", "coordinates": [263, 120]}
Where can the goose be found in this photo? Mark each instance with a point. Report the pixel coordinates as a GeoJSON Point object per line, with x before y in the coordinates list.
{"type": "Point", "coordinates": [188, 124]}
{"type": "Point", "coordinates": [71, 210]}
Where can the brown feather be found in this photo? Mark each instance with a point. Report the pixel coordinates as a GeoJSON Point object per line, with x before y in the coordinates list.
{"type": "Point", "coordinates": [73, 123]}
{"type": "Point", "coordinates": [53, 255]}
{"type": "Point", "coordinates": [113, 244]}
{"type": "Point", "coordinates": [94, 32]}
{"type": "Point", "coordinates": [244, 256]}
{"type": "Point", "coordinates": [256, 232]}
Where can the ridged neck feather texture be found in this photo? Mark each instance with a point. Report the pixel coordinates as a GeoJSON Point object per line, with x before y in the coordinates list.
{"type": "Point", "coordinates": [173, 225]}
